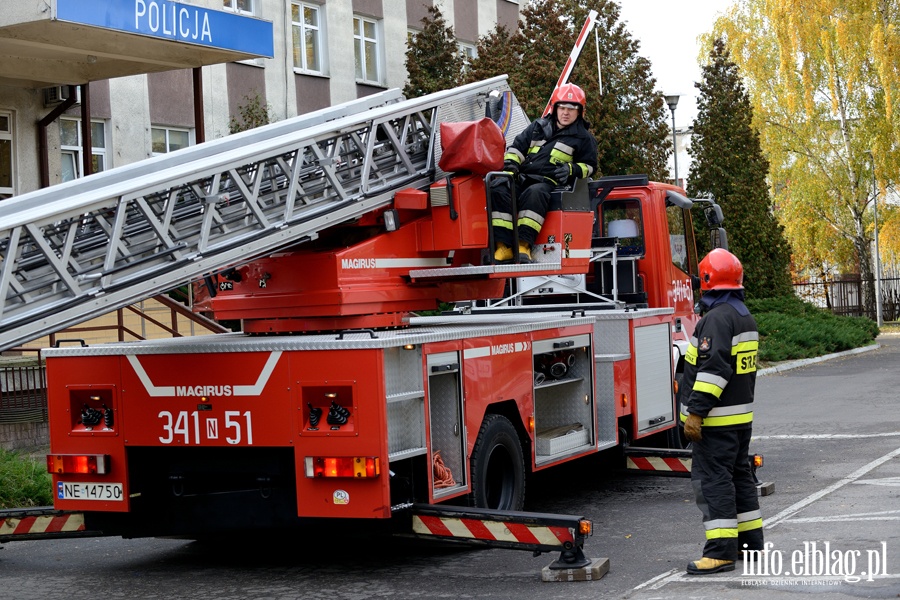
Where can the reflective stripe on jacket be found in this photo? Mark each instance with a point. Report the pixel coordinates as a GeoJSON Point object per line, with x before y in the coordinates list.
{"type": "Point", "coordinates": [720, 369]}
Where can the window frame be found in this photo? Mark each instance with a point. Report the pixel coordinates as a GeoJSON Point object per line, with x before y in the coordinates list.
{"type": "Point", "coordinates": [468, 52]}
{"type": "Point", "coordinates": [235, 8]}
{"type": "Point", "coordinates": [76, 151]}
{"type": "Point", "coordinates": [320, 36]}
{"type": "Point", "coordinates": [8, 134]}
{"type": "Point", "coordinates": [167, 129]}
{"type": "Point", "coordinates": [359, 46]}
{"type": "Point", "coordinates": [625, 208]}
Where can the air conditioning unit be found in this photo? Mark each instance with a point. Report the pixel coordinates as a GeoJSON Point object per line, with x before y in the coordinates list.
{"type": "Point", "coordinates": [59, 93]}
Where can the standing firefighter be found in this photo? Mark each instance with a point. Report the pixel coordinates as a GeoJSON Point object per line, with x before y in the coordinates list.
{"type": "Point", "coordinates": [547, 154]}
{"type": "Point", "coordinates": [719, 382]}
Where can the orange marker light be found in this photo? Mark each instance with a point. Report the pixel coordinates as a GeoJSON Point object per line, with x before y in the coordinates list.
{"type": "Point", "coordinates": [585, 527]}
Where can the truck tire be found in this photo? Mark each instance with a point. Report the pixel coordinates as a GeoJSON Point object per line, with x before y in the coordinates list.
{"type": "Point", "coordinates": [498, 466]}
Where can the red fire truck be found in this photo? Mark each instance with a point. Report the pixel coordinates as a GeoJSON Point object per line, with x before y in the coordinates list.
{"type": "Point", "coordinates": [336, 401]}
{"type": "Point", "coordinates": [327, 238]}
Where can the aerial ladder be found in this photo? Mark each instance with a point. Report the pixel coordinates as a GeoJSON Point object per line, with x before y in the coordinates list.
{"type": "Point", "coordinates": [83, 248]}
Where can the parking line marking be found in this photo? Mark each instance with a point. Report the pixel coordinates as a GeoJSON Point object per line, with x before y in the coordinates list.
{"type": "Point", "coordinates": [826, 436]}
{"type": "Point", "coordinates": [662, 576]}
{"type": "Point", "coordinates": [798, 506]}
{"type": "Point", "coordinates": [678, 575]}
{"type": "Point", "coordinates": [883, 515]}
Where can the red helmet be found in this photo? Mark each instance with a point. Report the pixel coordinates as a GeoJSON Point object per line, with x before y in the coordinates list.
{"type": "Point", "coordinates": [721, 270]}
{"type": "Point", "coordinates": [569, 93]}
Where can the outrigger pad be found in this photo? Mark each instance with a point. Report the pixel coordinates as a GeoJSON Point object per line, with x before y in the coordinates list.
{"type": "Point", "coordinates": [592, 572]}
{"type": "Point", "coordinates": [766, 488]}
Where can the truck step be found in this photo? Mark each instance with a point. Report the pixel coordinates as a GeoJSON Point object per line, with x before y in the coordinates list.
{"type": "Point", "coordinates": [658, 461]}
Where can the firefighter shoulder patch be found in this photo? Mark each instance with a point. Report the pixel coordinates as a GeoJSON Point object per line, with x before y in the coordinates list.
{"type": "Point", "coordinates": [704, 345]}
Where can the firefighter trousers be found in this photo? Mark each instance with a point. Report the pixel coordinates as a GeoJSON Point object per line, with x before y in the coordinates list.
{"type": "Point", "coordinates": [532, 200]}
{"type": "Point", "coordinates": [726, 493]}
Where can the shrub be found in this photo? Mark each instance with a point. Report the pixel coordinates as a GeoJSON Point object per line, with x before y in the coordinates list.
{"type": "Point", "coordinates": [790, 328]}
{"type": "Point", "coordinates": [25, 480]}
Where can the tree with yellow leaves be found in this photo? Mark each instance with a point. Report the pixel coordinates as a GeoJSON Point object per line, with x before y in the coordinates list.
{"type": "Point", "coordinates": [824, 81]}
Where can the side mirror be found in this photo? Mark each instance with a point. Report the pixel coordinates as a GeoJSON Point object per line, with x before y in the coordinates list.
{"type": "Point", "coordinates": [695, 283]}
{"type": "Point", "coordinates": [718, 238]}
{"type": "Point", "coordinates": [714, 216]}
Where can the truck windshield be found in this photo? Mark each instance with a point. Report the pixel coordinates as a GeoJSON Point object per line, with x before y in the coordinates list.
{"type": "Point", "coordinates": [622, 219]}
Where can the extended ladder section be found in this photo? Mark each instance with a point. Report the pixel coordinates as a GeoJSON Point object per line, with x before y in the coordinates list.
{"type": "Point", "coordinates": [82, 248]}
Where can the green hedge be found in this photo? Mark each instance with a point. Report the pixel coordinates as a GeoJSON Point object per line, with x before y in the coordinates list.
{"type": "Point", "coordinates": [791, 329]}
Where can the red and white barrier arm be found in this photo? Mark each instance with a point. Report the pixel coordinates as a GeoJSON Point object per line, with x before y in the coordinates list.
{"type": "Point", "coordinates": [576, 51]}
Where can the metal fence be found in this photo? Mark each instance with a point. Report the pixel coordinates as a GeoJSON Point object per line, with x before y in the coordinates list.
{"type": "Point", "coordinates": [845, 295]}
{"type": "Point", "coordinates": [23, 391]}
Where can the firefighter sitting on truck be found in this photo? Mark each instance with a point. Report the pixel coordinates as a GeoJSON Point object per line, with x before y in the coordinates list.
{"type": "Point", "coordinates": [719, 382]}
{"type": "Point", "coordinates": [549, 153]}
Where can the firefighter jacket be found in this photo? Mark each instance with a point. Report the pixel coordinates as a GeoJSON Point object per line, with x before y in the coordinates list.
{"type": "Point", "coordinates": [542, 146]}
{"type": "Point", "coordinates": [720, 366]}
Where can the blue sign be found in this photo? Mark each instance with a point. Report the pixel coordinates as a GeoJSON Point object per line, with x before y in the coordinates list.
{"type": "Point", "coordinates": [175, 21]}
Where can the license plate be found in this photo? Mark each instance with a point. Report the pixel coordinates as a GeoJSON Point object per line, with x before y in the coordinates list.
{"type": "Point", "coordinates": [88, 491]}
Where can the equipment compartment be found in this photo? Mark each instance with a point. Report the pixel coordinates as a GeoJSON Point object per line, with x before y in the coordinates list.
{"type": "Point", "coordinates": [405, 395]}
{"type": "Point", "coordinates": [563, 397]}
{"type": "Point", "coordinates": [446, 424]}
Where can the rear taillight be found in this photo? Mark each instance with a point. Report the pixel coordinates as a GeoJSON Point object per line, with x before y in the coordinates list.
{"type": "Point", "coordinates": [78, 463]}
{"type": "Point", "coordinates": [343, 466]}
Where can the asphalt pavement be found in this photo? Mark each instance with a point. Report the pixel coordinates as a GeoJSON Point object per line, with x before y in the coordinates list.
{"type": "Point", "coordinates": [832, 529]}
{"type": "Point", "coordinates": [828, 429]}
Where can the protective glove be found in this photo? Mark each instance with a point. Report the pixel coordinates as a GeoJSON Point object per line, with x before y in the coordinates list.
{"type": "Point", "coordinates": [692, 427]}
{"type": "Point", "coordinates": [511, 166]}
{"type": "Point", "coordinates": [562, 173]}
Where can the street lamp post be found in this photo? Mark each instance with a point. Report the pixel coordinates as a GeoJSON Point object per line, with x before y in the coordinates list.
{"type": "Point", "coordinates": [672, 101]}
{"type": "Point", "coordinates": [878, 318]}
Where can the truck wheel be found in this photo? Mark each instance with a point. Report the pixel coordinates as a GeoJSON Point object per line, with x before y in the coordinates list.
{"type": "Point", "coordinates": [498, 467]}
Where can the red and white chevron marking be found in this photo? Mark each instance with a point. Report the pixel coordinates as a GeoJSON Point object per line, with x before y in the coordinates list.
{"type": "Point", "coordinates": [492, 530]}
{"type": "Point", "coordinates": [43, 524]}
{"type": "Point", "coordinates": [657, 463]}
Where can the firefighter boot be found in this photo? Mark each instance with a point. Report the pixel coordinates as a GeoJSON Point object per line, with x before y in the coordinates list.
{"type": "Point", "coordinates": [525, 253]}
{"type": "Point", "coordinates": [709, 565]}
{"type": "Point", "coordinates": [503, 253]}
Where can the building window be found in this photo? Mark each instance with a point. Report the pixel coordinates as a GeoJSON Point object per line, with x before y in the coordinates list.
{"type": "Point", "coordinates": [309, 41]}
{"type": "Point", "coordinates": [239, 6]}
{"type": "Point", "coordinates": [468, 52]}
{"type": "Point", "coordinates": [6, 155]}
{"type": "Point", "coordinates": [169, 139]}
{"type": "Point", "coordinates": [70, 146]}
{"type": "Point", "coordinates": [366, 44]}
